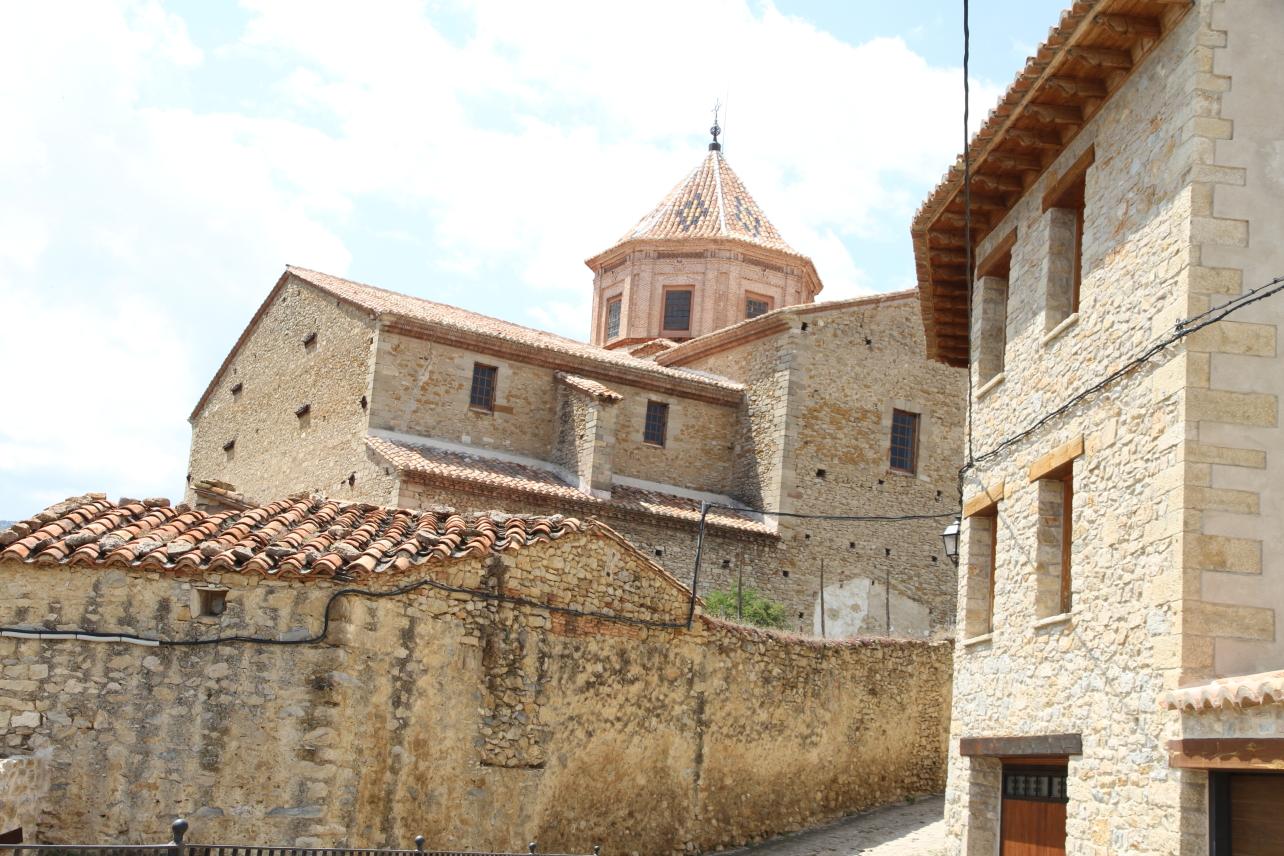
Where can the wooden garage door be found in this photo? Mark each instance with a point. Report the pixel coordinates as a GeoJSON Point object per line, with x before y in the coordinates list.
{"type": "Point", "coordinates": [1257, 814]}
{"type": "Point", "coordinates": [1034, 811]}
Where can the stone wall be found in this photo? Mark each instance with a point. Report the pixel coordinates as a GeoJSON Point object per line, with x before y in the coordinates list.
{"type": "Point", "coordinates": [815, 439]}
{"type": "Point", "coordinates": [422, 388]}
{"type": "Point", "coordinates": [478, 724]}
{"type": "Point", "coordinates": [24, 785]}
{"type": "Point", "coordinates": [1140, 477]}
{"type": "Point", "coordinates": [728, 555]}
{"type": "Point", "coordinates": [254, 406]}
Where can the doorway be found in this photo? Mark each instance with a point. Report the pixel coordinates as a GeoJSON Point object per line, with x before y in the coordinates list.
{"type": "Point", "coordinates": [1033, 812]}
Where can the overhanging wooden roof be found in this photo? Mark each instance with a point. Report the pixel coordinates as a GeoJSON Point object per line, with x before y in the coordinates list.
{"type": "Point", "coordinates": [1086, 58]}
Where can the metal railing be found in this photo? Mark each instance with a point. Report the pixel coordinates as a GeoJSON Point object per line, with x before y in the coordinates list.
{"type": "Point", "coordinates": [179, 847]}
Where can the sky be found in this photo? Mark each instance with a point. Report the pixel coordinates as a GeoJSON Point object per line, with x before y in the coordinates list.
{"type": "Point", "coordinates": [160, 164]}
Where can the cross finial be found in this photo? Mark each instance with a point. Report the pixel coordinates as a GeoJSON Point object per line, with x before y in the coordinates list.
{"type": "Point", "coordinates": [716, 129]}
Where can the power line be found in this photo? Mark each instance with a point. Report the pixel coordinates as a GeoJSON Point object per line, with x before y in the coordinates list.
{"type": "Point", "coordinates": [1181, 330]}
{"type": "Point", "coordinates": [94, 635]}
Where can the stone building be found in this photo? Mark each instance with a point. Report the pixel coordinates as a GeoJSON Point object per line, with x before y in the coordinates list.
{"type": "Point", "coordinates": [713, 377]}
{"type": "Point", "coordinates": [484, 680]}
{"type": "Point", "coordinates": [1118, 680]}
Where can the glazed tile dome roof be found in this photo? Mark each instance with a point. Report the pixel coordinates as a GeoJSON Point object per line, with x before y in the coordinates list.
{"type": "Point", "coordinates": [711, 202]}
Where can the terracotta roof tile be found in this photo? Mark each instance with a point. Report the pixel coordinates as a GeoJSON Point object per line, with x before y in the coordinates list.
{"type": "Point", "coordinates": [381, 301]}
{"type": "Point", "coordinates": [711, 202]}
{"type": "Point", "coordinates": [304, 537]}
{"type": "Point", "coordinates": [1236, 692]}
{"type": "Point", "coordinates": [493, 474]}
{"type": "Point", "coordinates": [589, 387]}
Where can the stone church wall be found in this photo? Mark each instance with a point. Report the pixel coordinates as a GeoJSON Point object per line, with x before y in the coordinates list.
{"type": "Point", "coordinates": [816, 437]}
{"type": "Point", "coordinates": [276, 451]}
{"type": "Point", "coordinates": [478, 725]}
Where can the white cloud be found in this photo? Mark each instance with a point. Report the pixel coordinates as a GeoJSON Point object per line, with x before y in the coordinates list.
{"type": "Point", "coordinates": [140, 227]}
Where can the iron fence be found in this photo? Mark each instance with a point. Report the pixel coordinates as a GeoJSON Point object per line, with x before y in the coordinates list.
{"type": "Point", "coordinates": [178, 846]}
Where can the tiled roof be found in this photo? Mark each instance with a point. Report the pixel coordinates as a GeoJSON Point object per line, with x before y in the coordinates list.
{"type": "Point", "coordinates": [494, 475]}
{"type": "Point", "coordinates": [1065, 76]}
{"type": "Point", "coordinates": [547, 347]}
{"type": "Point", "coordinates": [711, 202]}
{"type": "Point", "coordinates": [296, 537]}
{"type": "Point", "coordinates": [589, 387]}
{"type": "Point", "coordinates": [1237, 692]}
{"type": "Point", "coordinates": [381, 301]}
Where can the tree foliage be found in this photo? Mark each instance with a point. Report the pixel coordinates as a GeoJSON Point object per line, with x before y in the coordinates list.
{"type": "Point", "coordinates": [755, 608]}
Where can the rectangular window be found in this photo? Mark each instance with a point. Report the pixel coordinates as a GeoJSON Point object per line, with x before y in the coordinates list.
{"type": "Point", "coordinates": [755, 306]}
{"type": "Point", "coordinates": [980, 564]}
{"type": "Point", "coordinates": [1053, 555]}
{"type": "Point", "coordinates": [1065, 204]}
{"type": "Point", "coordinates": [904, 456]}
{"type": "Point", "coordinates": [1067, 527]}
{"type": "Point", "coordinates": [657, 423]}
{"type": "Point", "coordinates": [482, 396]}
{"type": "Point", "coordinates": [677, 309]}
{"type": "Point", "coordinates": [613, 318]}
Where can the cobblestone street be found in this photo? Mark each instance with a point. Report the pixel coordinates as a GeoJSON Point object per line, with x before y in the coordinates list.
{"type": "Point", "coordinates": [900, 830]}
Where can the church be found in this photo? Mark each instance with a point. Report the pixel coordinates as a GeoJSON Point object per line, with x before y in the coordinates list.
{"type": "Point", "coordinates": [712, 384]}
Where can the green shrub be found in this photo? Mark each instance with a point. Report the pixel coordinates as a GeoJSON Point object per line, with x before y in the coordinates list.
{"type": "Point", "coordinates": [757, 609]}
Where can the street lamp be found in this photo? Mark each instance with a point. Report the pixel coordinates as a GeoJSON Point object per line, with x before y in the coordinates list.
{"type": "Point", "coordinates": [951, 538]}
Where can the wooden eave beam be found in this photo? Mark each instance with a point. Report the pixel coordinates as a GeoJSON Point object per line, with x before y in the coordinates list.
{"type": "Point", "coordinates": [1089, 87]}
{"type": "Point", "coordinates": [1035, 139]}
{"type": "Point", "coordinates": [1137, 26]}
{"type": "Point", "coordinates": [1102, 57]}
{"type": "Point", "coordinates": [1017, 161]}
{"type": "Point", "coordinates": [1000, 181]}
{"type": "Point", "coordinates": [1058, 114]}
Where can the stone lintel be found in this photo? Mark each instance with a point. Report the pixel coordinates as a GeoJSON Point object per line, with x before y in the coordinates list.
{"type": "Point", "coordinates": [984, 501]}
{"type": "Point", "coordinates": [1037, 745]}
{"type": "Point", "coordinates": [1057, 458]}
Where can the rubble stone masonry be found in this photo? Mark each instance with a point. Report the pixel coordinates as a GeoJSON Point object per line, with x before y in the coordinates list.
{"type": "Point", "coordinates": [815, 439]}
{"type": "Point", "coordinates": [1171, 582]}
{"type": "Point", "coordinates": [479, 725]}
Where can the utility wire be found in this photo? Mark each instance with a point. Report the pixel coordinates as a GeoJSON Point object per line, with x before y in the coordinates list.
{"type": "Point", "coordinates": [967, 222]}
{"type": "Point", "coordinates": [1180, 331]}
{"type": "Point", "coordinates": [28, 632]}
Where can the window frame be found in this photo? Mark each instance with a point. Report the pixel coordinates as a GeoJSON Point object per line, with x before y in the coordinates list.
{"type": "Point", "coordinates": [486, 370]}
{"type": "Point", "coordinates": [616, 303]}
{"type": "Point", "coordinates": [1070, 193]}
{"type": "Point", "coordinates": [689, 290]}
{"type": "Point", "coordinates": [753, 297]}
{"type": "Point", "coordinates": [913, 446]}
{"type": "Point", "coordinates": [662, 408]}
{"type": "Point", "coordinates": [1066, 478]}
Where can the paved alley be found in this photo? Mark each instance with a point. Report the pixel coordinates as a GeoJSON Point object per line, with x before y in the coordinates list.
{"type": "Point", "coordinates": [902, 830]}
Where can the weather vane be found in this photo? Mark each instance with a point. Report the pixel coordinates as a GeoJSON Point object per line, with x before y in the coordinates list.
{"type": "Point", "coordinates": [715, 130]}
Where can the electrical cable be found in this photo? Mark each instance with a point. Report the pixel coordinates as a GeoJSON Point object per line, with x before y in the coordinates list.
{"type": "Point", "coordinates": [27, 632]}
{"type": "Point", "coordinates": [1180, 331]}
{"type": "Point", "coordinates": [967, 220]}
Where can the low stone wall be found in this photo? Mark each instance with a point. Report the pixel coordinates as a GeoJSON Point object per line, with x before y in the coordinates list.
{"type": "Point", "coordinates": [24, 781]}
{"type": "Point", "coordinates": [475, 723]}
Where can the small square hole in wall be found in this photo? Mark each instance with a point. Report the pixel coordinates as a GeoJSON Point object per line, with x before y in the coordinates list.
{"type": "Point", "coordinates": [820, 474]}
{"type": "Point", "coordinates": [310, 342]}
{"type": "Point", "coordinates": [236, 390]}
{"type": "Point", "coordinates": [784, 573]}
{"type": "Point", "coordinates": [726, 563]}
{"type": "Point", "coordinates": [851, 545]}
{"type": "Point", "coordinates": [211, 603]}
{"type": "Point", "coordinates": [659, 551]}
